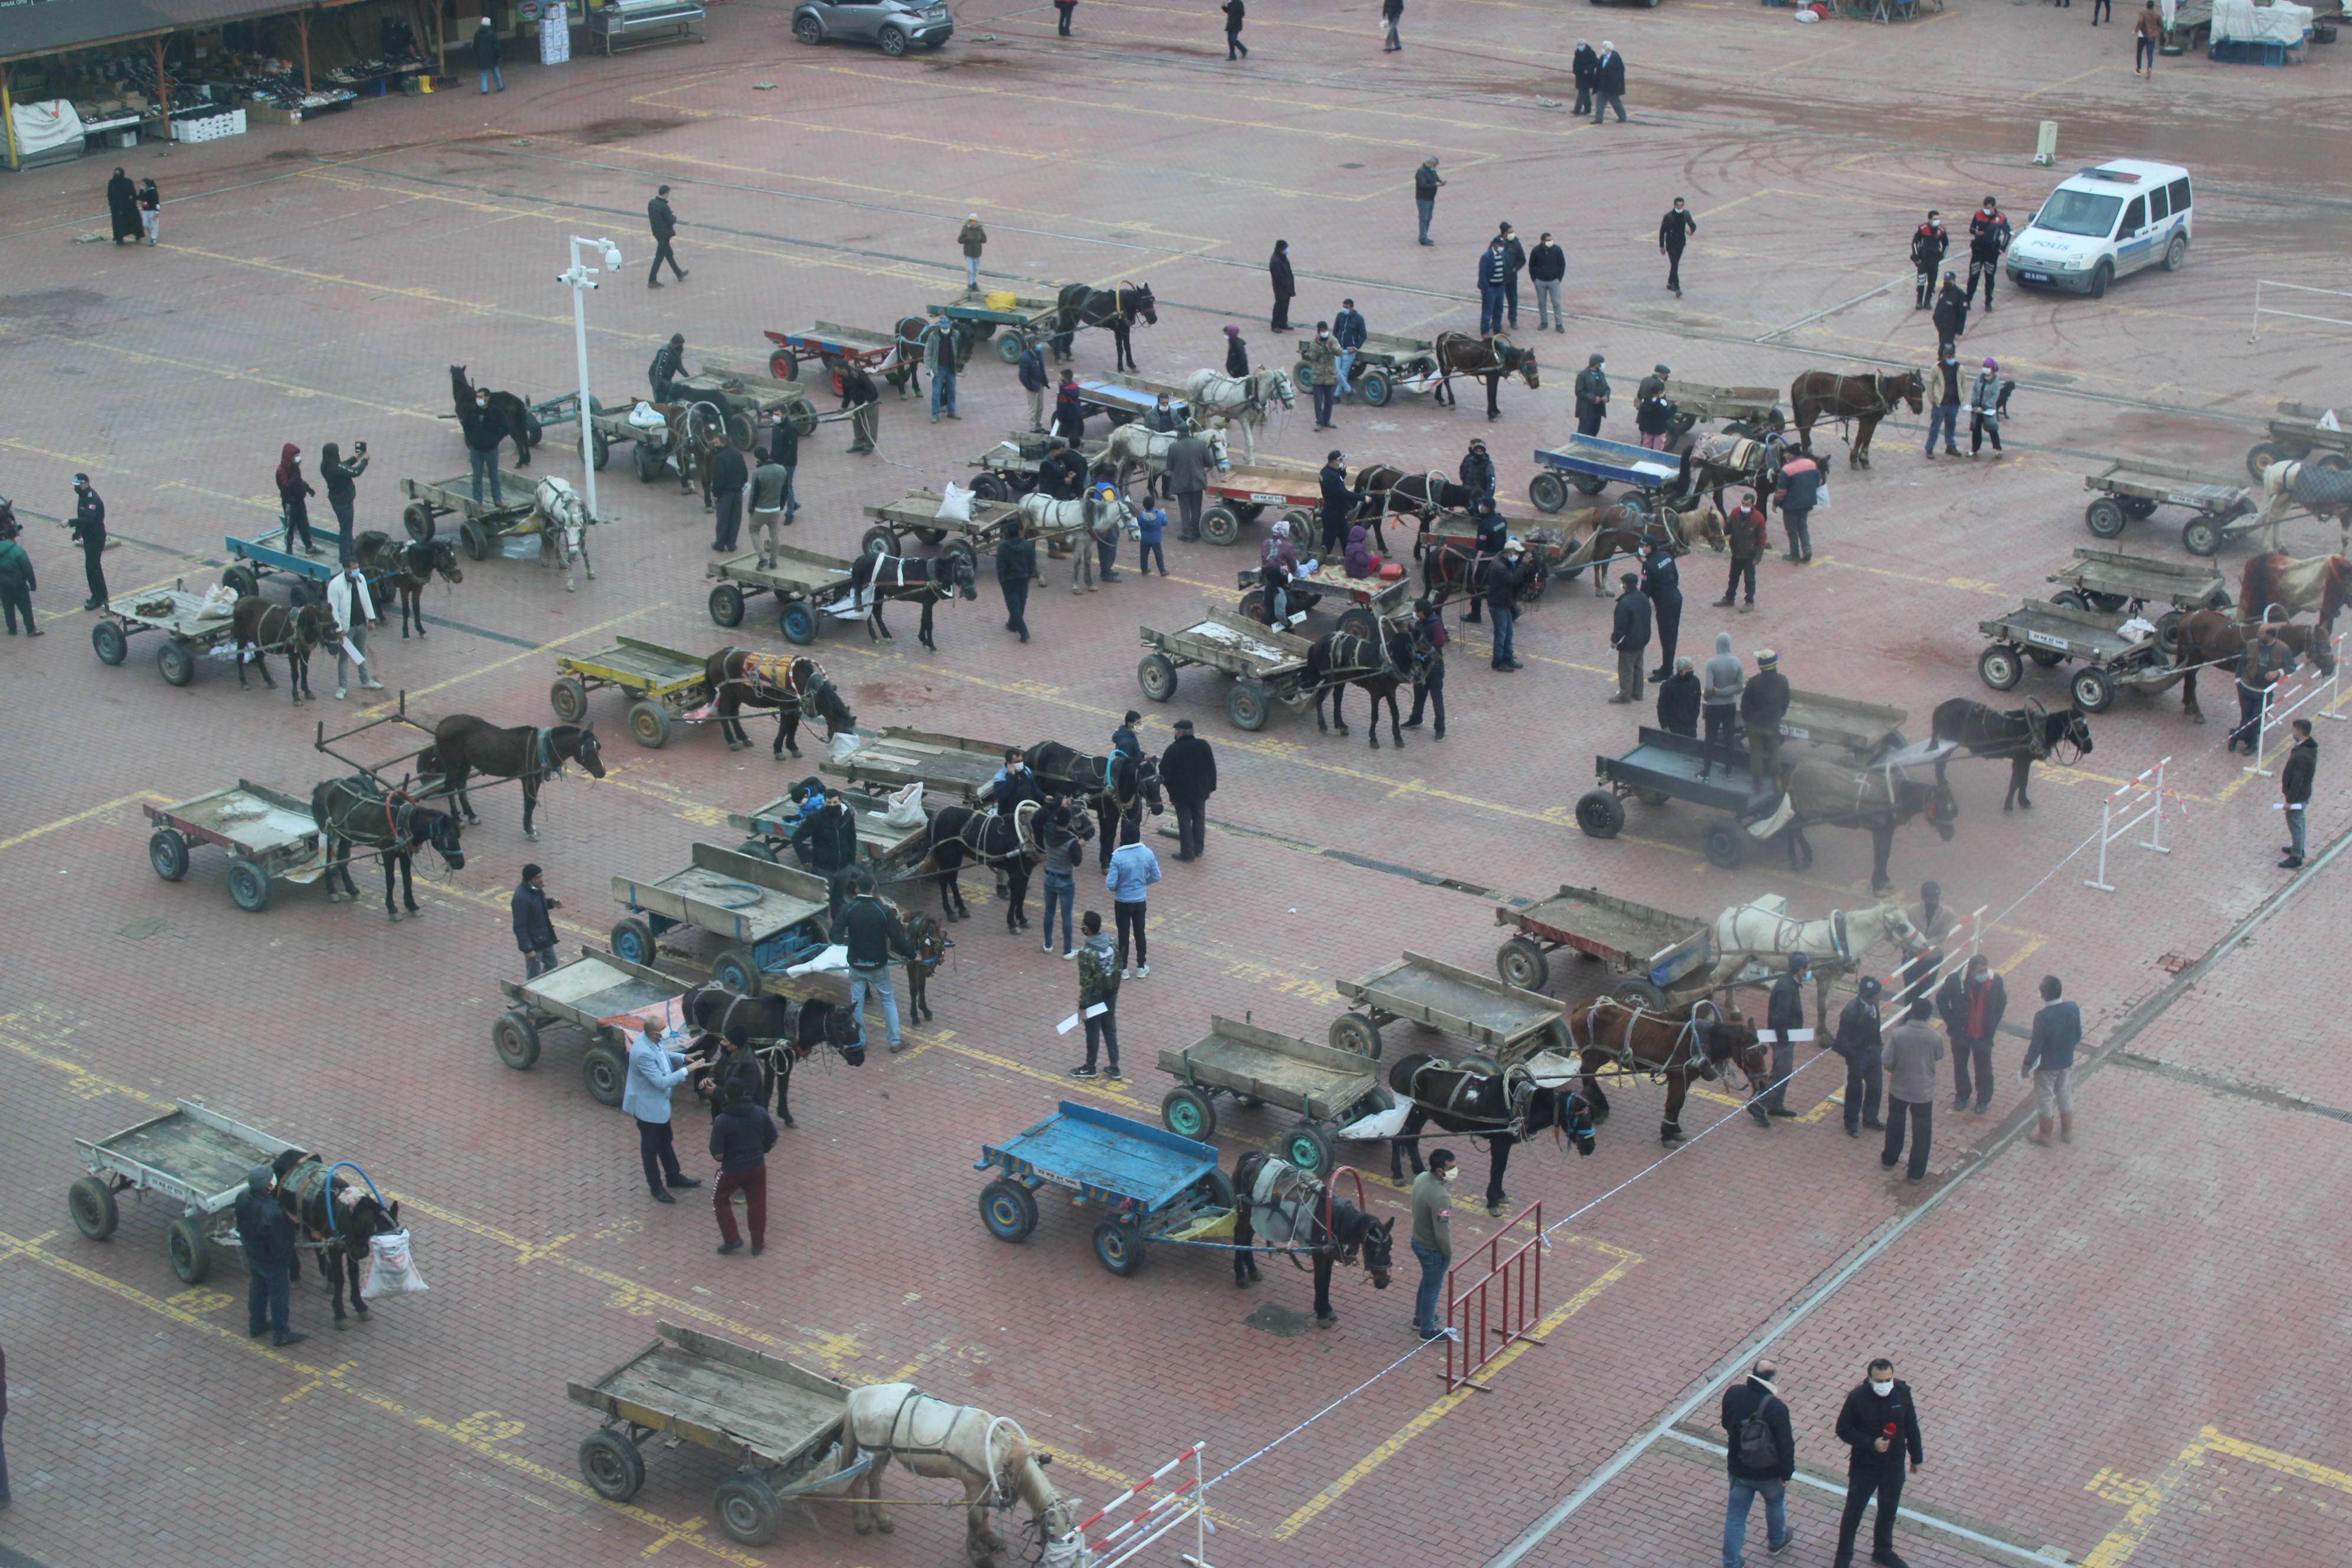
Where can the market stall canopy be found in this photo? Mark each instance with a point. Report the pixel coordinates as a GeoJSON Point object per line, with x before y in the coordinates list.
{"type": "Point", "coordinates": [55, 26]}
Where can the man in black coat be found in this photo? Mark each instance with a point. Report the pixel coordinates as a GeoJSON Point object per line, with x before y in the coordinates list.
{"type": "Point", "coordinates": [267, 1231]}
{"type": "Point", "coordinates": [1784, 1015]}
{"type": "Point", "coordinates": [1515, 261]}
{"type": "Point", "coordinates": [1609, 82]}
{"type": "Point", "coordinates": [827, 842]}
{"type": "Point", "coordinates": [1277, 269]}
{"type": "Point", "coordinates": [1016, 568]}
{"type": "Point", "coordinates": [1763, 704]}
{"type": "Point", "coordinates": [1951, 316]}
{"type": "Point", "coordinates": [486, 55]}
{"type": "Point", "coordinates": [1929, 241]}
{"type": "Point", "coordinates": [1585, 66]}
{"type": "Point", "coordinates": [1547, 264]}
{"type": "Point", "coordinates": [90, 533]}
{"type": "Point", "coordinates": [534, 925]}
{"type": "Point", "coordinates": [665, 227]}
{"type": "Point", "coordinates": [1675, 230]}
{"type": "Point", "coordinates": [1425, 182]}
{"type": "Point", "coordinates": [1662, 580]}
{"type": "Point", "coordinates": [729, 476]}
{"type": "Point", "coordinates": [1188, 772]}
{"type": "Point", "coordinates": [670, 363]}
{"type": "Point", "coordinates": [1879, 1426]}
{"type": "Point", "coordinates": [872, 935]}
{"type": "Point", "coordinates": [1758, 1394]}
{"type": "Point", "coordinates": [1678, 700]}
{"type": "Point", "coordinates": [1859, 1043]}
{"type": "Point", "coordinates": [1591, 396]}
{"type": "Point", "coordinates": [1339, 503]}
{"type": "Point", "coordinates": [1063, 474]}
{"type": "Point", "coordinates": [1630, 635]}
{"type": "Point", "coordinates": [1970, 1001]}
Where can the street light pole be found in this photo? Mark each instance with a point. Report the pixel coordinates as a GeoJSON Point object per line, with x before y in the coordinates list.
{"type": "Point", "coordinates": [581, 277]}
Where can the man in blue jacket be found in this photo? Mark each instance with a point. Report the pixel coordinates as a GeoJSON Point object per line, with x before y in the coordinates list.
{"type": "Point", "coordinates": [1348, 331]}
{"type": "Point", "coordinates": [654, 1072]}
{"type": "Point", "coordinates": [2049, 1063]}
{"type": "Point", "coordinates": [1494, 267]}
{"type": "Point", "coordinates": [1032, 373]}
{"type": "Point", "coordinates": [1133, 869]}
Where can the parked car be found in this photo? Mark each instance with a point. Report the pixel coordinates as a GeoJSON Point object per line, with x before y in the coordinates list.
{"type": "Point", "coordinates": [2104, 223]}
{"type": "Point", "coordinates": [892, 25]}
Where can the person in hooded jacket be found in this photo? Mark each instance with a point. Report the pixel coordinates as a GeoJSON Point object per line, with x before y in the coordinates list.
{"type": "Point", "coordinates": [1236, 355]}
{"type": "Point", "coordinates": [1591, 396]}
{"type": "Point", "coordinates": [267, 1233]}
{"type": "Point", "coordinates": [1357, 561]}
{"type": "Point", "coordinates": [1477, 473]}
{"type": "Point", "coordinates": [827, 843]}
{"type": "Point", "coordinates": [1721, 685]}
{"type": "Point", "coordinates": [1763, 704]}
{"type": "Point", "coordinates": [1584, 69]}
{"type": "Point", "coordinates": [1340, 501]}
{"type": "Point", "coordinates": [1277, 563]}
{"type": "Point", "coordinates": [123, 206]}
{"type": "Point", "coordinates": [294, 492]}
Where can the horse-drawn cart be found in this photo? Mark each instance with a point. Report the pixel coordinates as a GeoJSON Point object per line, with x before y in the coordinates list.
{"type": "Point", "coordinates": [882, 844]}
{"type": "Point", "coordinates": [482, 523]}
{"type": "Point", "coordinates": [952, 765]}
{"type": "Point", "coordinates": [1592, 464]}
{"type": "Point", "coordinates": [2296, 434]}
{"type": "Point", "coordinates": [806, 585]}
{"type": "Point", "coordinates": [1265, 664]}
{"type": "Point", "coordinates": [1239, 495]}
{"type": "Point", "coordinates": [1122, 403]}
{"type": "Point", "coordinates": [1327, 1089]}
{"type": "Point", "coordinates": [779, 1425]}
{"type": "Point", "coordinates": [1024, 317]}
{"type": "Point", "coordinates": [1372, 602]}
{"type": "Point", "coordinates": [1157, 1185]}
{"type": "Point", "coordinates": [195, 1157]}
{"type": "Point", "coordinates": [585, 993]}
{"type": "Point", "coordinates": [663, 684]}
{"type": "Point", "coordinates": [2054, 633]}
{"type": "Point", "coordinates": [878, 353]}
{"type": "Point", "coordinates": [2131, 488]}
{"type": "Point", "coordinates": [257, 560]}
{"type": "Point", "coordinates": [1750, 411]}
{"type": "Point", "coordinates": [1656, 955]}
{"type": "Point", "coordinates": [1388, 364]}
{"type": "Point", "coordinates": [1507, 1022]}
{"type": "Point", "coordinates": [1663, 766]}
{"type": "Point", "coordinates": [177, 614]}
{"type": "Point", "coordinates": [269, 835]}
{"type": "Point", "coordinates": [918, 514]}
{"type": "Point", "coordinates": [753, 402]}
{"type": "Point", "coordinates": [2108, 581]}
{"type": "Point", "coordinates": [1008, 470]}
{"type": "Point", "coordinates": [771, 916]}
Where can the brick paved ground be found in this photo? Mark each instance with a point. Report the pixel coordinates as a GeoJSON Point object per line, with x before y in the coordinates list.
{"type": "Point", "coordinates": [318, 297]}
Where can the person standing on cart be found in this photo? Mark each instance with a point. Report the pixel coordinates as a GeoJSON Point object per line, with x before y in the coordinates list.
{"type": "Point", "coordinates": [827, 843]}
{"type": "Point", "coordinates": [1723, 680]}
{"type": "Point", "coordinates": [1987, 239]}
{"type": "Point", "coordinates": [1928, 243]}
{"type": "Point", "coordinates": [973, 238]}
{"type": "Point", "coordinates": [341, 475]}
{"type": "Point", "coordinates": [1763, 704]}
{"type": "Point", "coordinates": [483, 434]}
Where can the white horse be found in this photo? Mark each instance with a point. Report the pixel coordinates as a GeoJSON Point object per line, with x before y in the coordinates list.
{"type": "Point", "coordinates": [1248, 400]}
{"type": "Point", "coordinates": [1042, 515]}
{"type": "Point", "coordinates": [2324, 492]}
{"type": "Point", "coordinates": [562, 528]}
{"type": "Point", "coordinates": [991, 1454]}
{"type": "Point", "coordinates": [1764, 926]}
{"type": "Point", "coordinates": [1132, 445]}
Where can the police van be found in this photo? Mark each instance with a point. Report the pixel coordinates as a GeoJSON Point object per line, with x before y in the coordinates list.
{"type": "Point", "coordinates": [2101, 223]}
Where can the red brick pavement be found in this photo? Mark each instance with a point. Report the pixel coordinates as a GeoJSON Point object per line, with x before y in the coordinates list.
{"type": "Point", "coordinates": [322, 304]}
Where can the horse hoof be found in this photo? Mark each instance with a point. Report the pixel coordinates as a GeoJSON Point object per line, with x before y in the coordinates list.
{"type": "Point", "coordinates": [886, 1527]}
{"type": "Point", "coordinates": [395, 914]}
{"type": "Point", "coordinates": [592, 576]}
{"type": "Point", "coordinates": [2006, 807]}
{"type": "Point", "coordinates": [568, 586]}
{"type": "Point", "coordinates": [532, 834]}
{"type": "Point", "coordinates": [334, 898]}
{"type": "Point", "coordinates": [864, 1530]}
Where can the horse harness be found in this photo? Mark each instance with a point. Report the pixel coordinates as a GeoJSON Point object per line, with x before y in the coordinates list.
{"type": "Point", "coordinates": [1518, 1086]}
{"type": "Point", "coordinates": [1694, 1059]}
{"type": "Point", "coordinates": [1000, 1486]}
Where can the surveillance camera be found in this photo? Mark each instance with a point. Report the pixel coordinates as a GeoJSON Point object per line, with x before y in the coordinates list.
{"type": "Point", "coordinates": [612, 257]}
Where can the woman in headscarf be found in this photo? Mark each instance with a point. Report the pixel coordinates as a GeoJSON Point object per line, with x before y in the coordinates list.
{"type": "Point", "coordinates": [1359, 555]}
{"type": "Point", "coordinates": [1236, 355]}
{"type": "Point", "coordinates": [293, 493]}
{"type": "Point", "coordinates": [122, 204]}
{"type": "Point", "coordinates": [1277, 563]}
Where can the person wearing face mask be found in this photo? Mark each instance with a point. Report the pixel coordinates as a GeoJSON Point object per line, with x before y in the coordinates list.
{"type": "Point", "coordinates": [1432, 1238]}
{"type": "Point", "coordinates": [1971, 1001]}
{"type": "Point", "coordinates": [1879, 1426]}
{"type": "Point", "coordinates": [1929, 241]}
{"type": "Point", "coordinates": [1859, 1043]}
{"type": "Point", "coordinates": [1493, 268]}
{"type": "Point", "coordinates": [1988, 237]}
{"type": "Point", "coordinates": [1591, 396]}
{"type": "Point", "coordinates": [1318, 360]}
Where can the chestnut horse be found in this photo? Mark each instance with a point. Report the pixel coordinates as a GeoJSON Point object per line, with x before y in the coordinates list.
{"type": "Point", "coordinates": [1877, 800]}
{"type": "Point", "coordinates": [1864, 399]}
{"type": "Point", "coordinates": [1486, 358]}
{"type": "Point", "coordinates": [2320, 583]}
{"type": "Point", "coordinates": [740, 678]}
{"type": "Point", "coordinates": [1693, 1042]}
{"type": "Point", "coordinates": [464, 745]}
{"type": "Point", "coordinates": [2211, 637]}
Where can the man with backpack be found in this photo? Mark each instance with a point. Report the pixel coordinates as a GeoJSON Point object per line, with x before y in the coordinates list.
{"type": "Point", "coordinates": [1762, 1460]}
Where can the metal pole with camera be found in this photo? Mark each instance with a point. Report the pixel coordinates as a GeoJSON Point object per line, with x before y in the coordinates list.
{"type": "Point", "coordinates": [581, 277]}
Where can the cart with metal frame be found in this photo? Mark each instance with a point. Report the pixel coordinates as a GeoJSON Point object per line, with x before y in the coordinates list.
{"type": "Point", "coordinates": [269, 835]}
{"type": "Point", "coordinates": [1591, 464]}
{"type": "Point", "coordinates": [1243, 493]}
{"type": "Point", "coordinates": [1866, 730]}
{"type": "Point", "coordinates": [1664, 766]}
{"type": "Point", "coordinates": [1750, 411]}
{"type": "Point", "coordinates": [1386, 365]}
{"type": "Point", "coordinates": [2108, 581]}
{"type": "Point", "coordinates": [1373, 603]}
{"type": "Point", "coordinates": [583, 992]}
{"type": "Point", "coordinates": [2298, 436]}
{"type": "Point", "coordinates": [778, 1424]}
{"type": "Point", "coordinates": [1008, 470]}
{"type": "Point", "coordinates": [2052, 634]}
{"type": "Point", "coordinates": [955, 766]}
{"type": "Point", "coordinates": [173, 611]}
{"type": "Point", "coordinates": [663, 684]}
{"type": "Point", "coordinates": [1025, 320]}
{"type": "Point", "coordinates": [881, 846]}
{"type": "Point", "coordinates": [1266, 665]}
{"type": "Point", "coordinates": [189, 1155]}
{"type": "Point", "coordinates": [1157, 1185]}
{"type": "Point", "coordinates": [1122, 402]}
{"type": "Point", "coordinates": [831, 345]}
{"type": "Point", "coordinates": [771, 916]}
{"type": "Point", "coordinates": [1327, 1089]}
{"type": "Point", "coordinates": [807, 587]}
{"type": "Point", "coordinates": [1507, 1023]}
{"type": "Point", "coordinates": [2131, 488]}
{"type": "Point", "coordinates": [481, 524]}
{"type": "Point", "coordinates": [918, 514]}
{"type": "Point", "coordinates": [1652, 953]}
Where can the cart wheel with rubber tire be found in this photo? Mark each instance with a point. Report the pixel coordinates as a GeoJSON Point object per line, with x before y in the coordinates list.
{"type": "Point", "coordinates": [649, 724]}
{"type": "Point", "coordinates": [1118, 1247]}
{"type": "Point", "coordinates": [1591, 484]}
{"type": "Point", "coordinates": [2201, 536]}
{"type": "Point", "coordinates": [1245, 705]}
{"type": "Point", "coordinates": [879, 541]}
{"type": "Point", "coordinates": [1307, 1147]}
{"type": "Point", "coordinates": [600, 449]}
{"type": "Point", "coordinates": [2047, 657]}
{"type": "Point", "coordinates": [611, 1466]}
{"type": "Point", "coordinates": [1304, 525]}
{"type": "Point", "coordinates": [168, 853]}
{"type": "Point", "coordinates": [1600, 814]}
{"type": "Point", "coordinates": [632, 938]}
{"type": "Point", "coordinates": [2094, 690]}
{"type": "Point", "coordinates": [1221, 524]}
{"type": "Point", "coordinates": [2139, 509]}
{"type": "Point", "coordinates": [1156, 673]}
{"type": "Point", "coordinates": [727, 604]}
{"type": "Point", "coordinates": [1254, 606]}
{"type": "Point", "coordinates": [516, 1039]}
{"type": "Point", "coordinates": [2167, 632]}
{"type": "Point", "coordinates": [92, 1203]}
{"type": "Point", "coordinates": [1188, 1113]}
{"type": "Point", "coordinates": [1008, 1209]}
{"type": "Point", "coordinates": [107, 639]}
{"type": "Point", "coordinates": [758, 849]}
{"type": "Point", "coordinates": [2335, 462]}
{"type": "Point", "coordinates": [648, 462]}
{"type": "Point", "coordinates": [1546, 491]}
{"type": "Point", "coordinates": [797, 622]}
{"type": "Point", "coordinates": [737, 969]}
{"type": "Point", "coordinates": [991, 487]}
{"type": "Point", "coordinates": [2104, 517]}
{"type": "Point", "coordinates": [1376, 387]}
{"type": "Point", "coordinates": [1653, 797]}
{"type": "Point", "coordinates": [1010, 347]}
{"type": "Point", "coordinates": [742, 432]}
{"type": "Point", "coordinates": [2000, 668]}
{"type": "Point", "coordinates": [177, 665]}
{"type": "Point", "coordinates": [1724, 844]}
{"type": "Point", "coordinates": [783, 365]}
{"type": "Point", "coordinates": [933, 537]}
{"type": "Point", "coordinates": [475, 539]}
{"type": "Point", "coordinates": [2070, 597]}
{"type": "Point", "coordinates": [1356, 1035]}
{"type": "Point", "coordinates": [417, 519]}
{"type": "Point", "coordinates": [1356, 621]}
{"type": "Point", "coordinates": [191, 1249]}
{"type": "Point", "coordinates": [248, 887]}
{"type": "Point", "coordinates": [606, 1072]}
{"type": "Point", "coordinates": [243, 579]}
{"type": "Point", "coordinates": [2260, 456]}
{"type": "Point", "coordinates": [569, 698]}
{"type": "Point", "coordinates": [1521, 961]}
{"type": "Point", "coordinates": [747, 1506]}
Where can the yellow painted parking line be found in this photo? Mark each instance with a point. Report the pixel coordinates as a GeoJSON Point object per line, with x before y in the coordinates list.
{"type": "Point", "coordinates": [116, 805]}
{"type": "Point", "coordinates": [378, 709]}
{"type": "Point", "coordinates": [2146, 1499]}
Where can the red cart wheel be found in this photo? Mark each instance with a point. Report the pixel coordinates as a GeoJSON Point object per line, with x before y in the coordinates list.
{"type": "Point", "coordinates": [783, 366]}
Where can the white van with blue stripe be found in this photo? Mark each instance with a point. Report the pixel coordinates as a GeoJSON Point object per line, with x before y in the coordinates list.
{"type": "Point", "coordinates": [2101, 223]}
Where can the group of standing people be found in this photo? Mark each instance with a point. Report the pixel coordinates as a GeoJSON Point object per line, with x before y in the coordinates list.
{"type": "Point", "coordinates": [135, 211]}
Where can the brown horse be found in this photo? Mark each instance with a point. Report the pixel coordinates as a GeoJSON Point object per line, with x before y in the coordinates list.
{"type": "Point", "coordinates": [739, 678]}
{"type": "Point", "coordinates": [260, 628]}
{"type": "Point", "coordinates": [1693, 1042]}
{"type": "Point", "coordinates": [410, 564]}
{"type": "Point", "coordinates": [464, 745]}
{"type": "Point", "coordinates": [2320, 583]}
{"type": "Point", "coordinates": [1878, 800]}
{"type": "Point", "coordinates": [1864, 399]}
{"type": "Point", "coordinates": [1455, 566]}
{"type": "Point", "coordinates": [2211, 637]}
{"type": "Point", "coordinates": [1486, 358]}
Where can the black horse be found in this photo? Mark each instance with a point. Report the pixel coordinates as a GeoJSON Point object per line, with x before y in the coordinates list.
{"type": "Point", "coordinates": [1339, 659]}
{"type": "Point", "coordinates": [1471, 1097]}
{"type": "Point", "coordinates": [2022, 736]}
{"type": "Point", "coordinates": [1314, 1219]}
{"type": "Point", "coordinates": [1389, 492]}
{"type": "Point", "coordinates": [1115, 788]}
{"type": "Point", "coordinates": [783, 1032]}
{"type": "Point", "coordinates": [879, 579]}
{"type": "Point", "coordinates": [337, 1218]}
{"type": "Point", "coordinates": [957, 833]}
{"type": "Point", "coordinates": [261, 628]}
{"type": "Point", "coordinates": [511, 412]}
{"type": "Point", "coordinates": [464, 745]}
{"type": "Point", "coordinates": [407, 567]}
{"type": "Point", "coordinates": [1117, 309]}
{"type": "Point", "coordinates": [360, 812]}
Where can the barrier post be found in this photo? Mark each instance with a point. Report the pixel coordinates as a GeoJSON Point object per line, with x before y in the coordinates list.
{"type": "Point", "coordinates": [1506, 1301]}
{"type": "Point", "coordinates": [2276, 713]}
{"type": "Point", "coordinates": [2141, 800]}
{"type": "Point", "coordinates": [1184, 1499]}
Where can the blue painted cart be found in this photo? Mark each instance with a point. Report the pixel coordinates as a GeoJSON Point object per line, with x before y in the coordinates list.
{"type": "Point", "coordinates": [258, 560]}
{"type": "Point", "coordinates": [1157, 1185]}
{"type": "Point", "coordinates": [1592, 464]}
{"type": "Point", "coordinates": [1124, 403]}
{"type": "Point", "coordinates": [772, 916]}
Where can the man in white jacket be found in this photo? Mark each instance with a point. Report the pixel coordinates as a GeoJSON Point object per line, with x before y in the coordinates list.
{"type": "Point", "coordinates": [347, 592]}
